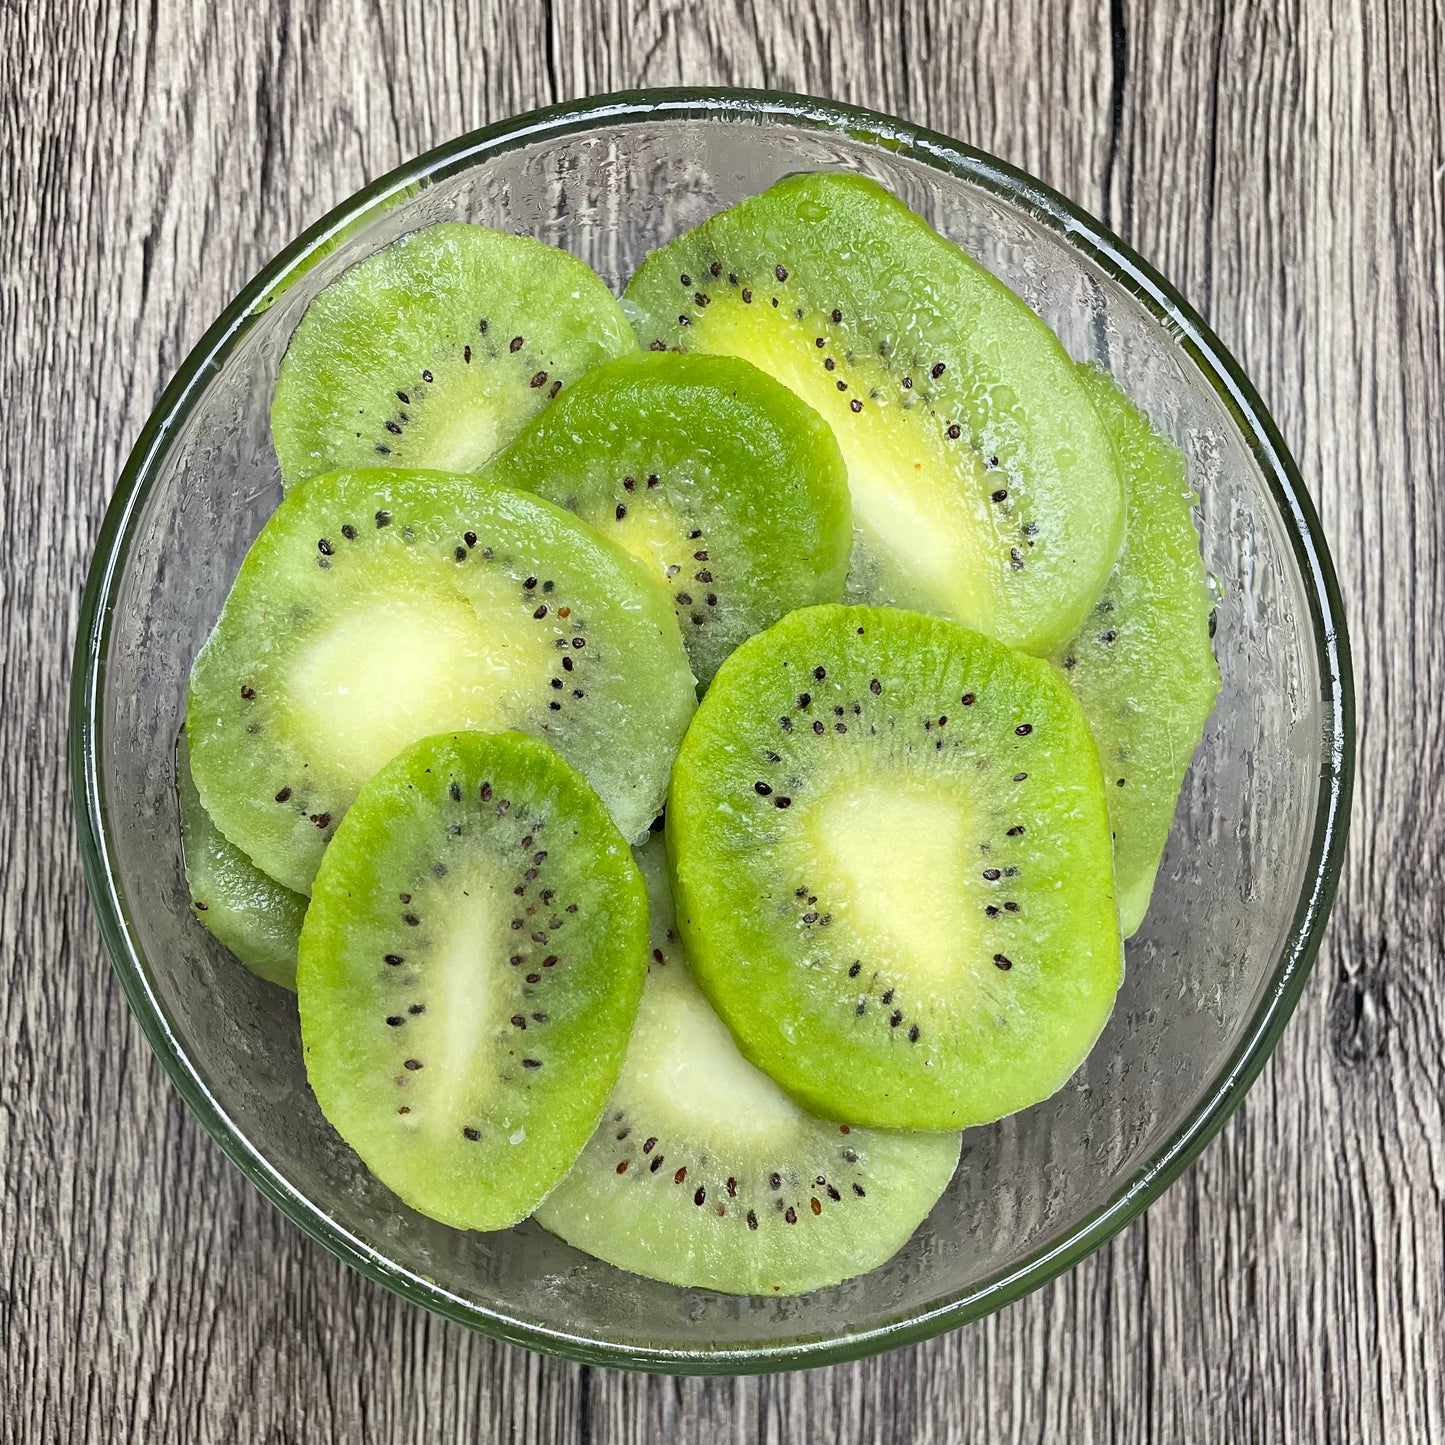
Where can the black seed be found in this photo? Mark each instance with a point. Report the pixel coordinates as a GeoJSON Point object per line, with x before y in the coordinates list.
{"type": "Point", "coordinates": [828, 362]}
{"type": "Point", "coordinates": [685, 279]}
{"type": "Point", "coordinates": [247, 692]}
{"type": "Point", "coordinates": [715, 269]}
{"type": "Point", "coordinates": [539, 379]}
{"type": "Point", "coordinates": [1001, 495]}
{"type": "Point", "coordinates": [854, 969]}
{"type": "Point", "coordinates": [938, 370]}
{"type": "Point", "coordinates": [1024, 729]}
{"type": "Point", "coordinates": [486, 792]}
{"type": "Point", "coordinates": [403, 398]}
{"type": "Point", "coordinates": [322, 820]}
{"type": "Point", "coordinates": [554, 388]}
{"type": "Point", "coordinates": [533, 978]}
{"type": "Point", "coordinates": [837, 317]}
{"type": "Point", "coordinates": [653, 480]}
{"type": "Point", "coordinates": [540, 612]}
{"type": "Point", "coordinates": [888, 996]}
{"type": "Point", "coordinates": [805, 699]}
{"type": "Point", "coordinates": [519, 1022]}
{"type": "Point", "coordinates": [810, 918]}
{"type": "Point", "coordinates": [531, 1063]}
{"type": "Point", "coordinates": [550, 961]}
{"type": "Point", "coordinates": [658, 346]}
{"type": "Point", "coordinates": [781, 272]}
{"type": "Point", "coordinates": [913, 1033]}
{"type": "Point", "coordinates": [1019, 777]}
{"type": "Point", "coordinates": [786, 723]}
{"type": "Point", "coordinates": [855, 404]}
{"type": "Point", "coordinates": [895, 1018]}
{"type": "Point", "coordinates": [954, 432]}
{"type": "Point", "coordinates": [392, 427]}
{"type": "Point", "coordinates": [1011, 907]}
{"type": "Point", "coordinates": [991, 911]}
{"type": "Point", "coordinates": [1003, 963]}
{"type": "Point", "coordinates": [791, 1215]}
{"type": "Point", "coordinates": [567, 666]}
{"type": "Point", "coordinates": [1118, 782]}
{"type": "Point", "coordinates": [841, 385]}
{"type": "Point", "coordinates": [684, 321]}
{"type": "Point", "coordinates": [656, 1163]}
{"type": "Point", "coordinates": [1016, 559]}
{"type": "Point", "coordinates": [467, 355]}
{"type": "Point", "coordinates": [775, 1180]}
{"type": "Point", "coordinates": [396, 1021]}
{"type": "Point", "coordinates": [412, 1064]}
{"type": "Point", "coordinates": [426, 376]}
{"type": "Point", "coordinates": [859, 1191]}
{"type": "Point", "coordinates": [819, 727]}
{"type": "Point", "coordinates": [579, 642]}
{"type": "Point", "coordinates": [539, 1018]}
{"type": "Point", "coordinates": [349, 532]}
{"type": "Point", "coordinates": [469, 1133]}
{"type": "Point", "coordinates": [1108, 636]}
{"type": "Point", "coordinates": [621, 511]}
{"type": "Point", "coordinates": [762, 790]}
{"type": "Point", "coordinates": [1015, 830]}
{"type": "Point", "coordinates": [283, 795]}
{"type": "Point", "coordinates": [515, 344]}
{"type": "Point", "coordinates": [908, 383]}
{"type": "Point", "coordinates": [557, 681]}
{"type": "Point", "coordinates": [993, 874]}
{"type": "Point", "coordinates": [699, 1196]}
{"type": "Point", "coordinates": [861, 1008]}
{"type": "Point", "coordinates": [685, 598]}
{"type": "Point", "coordinates": [702, 298]}
{"type": "Point", "coordinates": [460, 554]}
{"type": "Point", "coordinates": [456, 792]}
{"type": "Point", "coordinates": [747, 296]}
{"type": "Point", "coordinates": [482, 326]}
{"type": "Point", "coordinates": [411, 920]}
{"type": "Point", "coordinates": [875, 687]}
{"type": "Point", "coordinates": [394, 959]}
{"type": "Point", "coordinates": [752, 1220]}
{"type": "Point", "coordinates": [324, 547]}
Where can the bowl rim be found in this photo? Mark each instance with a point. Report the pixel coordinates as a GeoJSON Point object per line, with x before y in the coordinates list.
{"type": "Point", "coordinates": [1079, 230]}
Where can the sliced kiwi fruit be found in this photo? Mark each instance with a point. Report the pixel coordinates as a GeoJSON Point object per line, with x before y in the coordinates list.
{"type": "Point", "coordinates": [470, 968]}
{"type": "Point", "coordinates": [891, 859]}
{"type": "Point", "coordinates": [704, 1173]}
{"type": "Point", "coordinates": [434, 351]}
{"type": "Point", "coordinates": [1142, 664]}
{"type": "Point", "coordinates": [377, 607]}
{"type": "Point", "coordinates": [237, 904]}
{"type": "Point", "coordinates": [720, 480]}
{"type": "Point", "coordinates": [985, 487]}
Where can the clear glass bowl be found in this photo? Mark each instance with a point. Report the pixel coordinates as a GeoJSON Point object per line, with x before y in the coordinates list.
{"type": "Point", "coordinates": [1242, 897]}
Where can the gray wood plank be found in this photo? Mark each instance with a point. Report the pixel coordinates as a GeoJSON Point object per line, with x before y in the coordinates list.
{"type": "Point", "coordinates": [1282, 162]}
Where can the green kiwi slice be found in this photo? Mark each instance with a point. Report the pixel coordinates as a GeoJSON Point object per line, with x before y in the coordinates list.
{"type": "Point", "coordinates": [435, 350]}
{"type": "Point", "coordinates": [984, 484]}
{"type": "Point", "coordinates": [719, 479]}
{"type": "Point", "coordinates": [1142, 664]}
{"type": "Point", "coordinates": [237, 904]}
{"type": "Point", "coordinates": [469, 971]}
{"type": "Point", "coordinates": [891, 859]}
{"type": "Point", "coordinates": [704, 1173]}
{"type": "Point", "coordinates": [377, 607]}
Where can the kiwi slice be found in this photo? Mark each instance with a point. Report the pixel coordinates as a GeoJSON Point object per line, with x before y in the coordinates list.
{"type": "Point", "coordinates": [719, 479]}
{"type": "Point", "coordinates": [436, 349]}
{"type": "Point", "coordinates": [891, 859]}
{"type": "Point", "coordinates": [237, 904]}
{"type": "Point", "coordinates": [984, 484]}
{"type": "Point", "coordinates": [469, 971]}
{"type": "Point", "coordinates": [377, 607]}
{"type": "Point", "coordinates": [1142, 664]}
{"type": "Point", "coordinates": [704, 1173]}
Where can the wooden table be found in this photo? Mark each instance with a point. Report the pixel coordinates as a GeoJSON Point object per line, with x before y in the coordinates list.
{"type": "Point", "coordinates": [1284, 163]}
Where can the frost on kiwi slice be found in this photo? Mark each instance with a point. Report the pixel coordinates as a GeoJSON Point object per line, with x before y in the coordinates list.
{"type": "Point", "coordinates": [1142, 664]}
{"type": "Point", "coordinates": [891, 860]}
{"type": "Point", "coordinates": [704, 1173]}
{"type": "Point", "coordinates": [436, 349]}
{"type": "Point", "coordinates": [250, 914]}
{"type": "Point", "coordinates": [719, 479]}
{"type": "Point", "coordinates": [984, 485]}
{"type": "Point", "coordinates": [377, 607]}
{"type": "Point", "coordinates": [469, 971]}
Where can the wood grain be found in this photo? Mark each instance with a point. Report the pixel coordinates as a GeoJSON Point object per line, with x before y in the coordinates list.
{"type": "Point", "coordinates": [1285, 163]}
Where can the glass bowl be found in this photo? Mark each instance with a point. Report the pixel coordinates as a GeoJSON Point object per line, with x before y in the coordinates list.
{"type": "Point", "coordinates": [1243, 893]}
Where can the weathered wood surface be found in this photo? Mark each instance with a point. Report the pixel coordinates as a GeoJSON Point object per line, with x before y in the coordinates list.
{"type": "Point", "coordinates": [1284, 162]}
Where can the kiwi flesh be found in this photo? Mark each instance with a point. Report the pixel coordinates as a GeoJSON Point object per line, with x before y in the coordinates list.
{"type": "Point", "coordinates": [1142, 665]}
{"type": "Point", "coordinates": [470, 968]}
{"type": "Point", "coordinates": [985, 487]}
{"type": "Point", "coordinates": [436, 349]}
{"type": "Point", "coordinates": [719, 479]}
{"type": "Point", "coordinates": [704, 1173]}
{"type": "Point", "coordinates": [235, 902]}
{"type": "Point", "coordinates": [890, 852]}
{"type": "Point", "coordinates": [377, 607]}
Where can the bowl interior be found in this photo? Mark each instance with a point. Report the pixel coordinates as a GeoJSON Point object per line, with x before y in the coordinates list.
{"type": "Point", "coordinates": [1029, 1188]}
